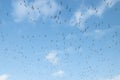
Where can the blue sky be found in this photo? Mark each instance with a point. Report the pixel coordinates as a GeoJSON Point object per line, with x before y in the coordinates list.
{"type": "Point", "coordinates": [59, 40]}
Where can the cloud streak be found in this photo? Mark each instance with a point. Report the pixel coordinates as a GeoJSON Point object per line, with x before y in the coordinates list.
{"type": "Point", "coordinates": [79, 18]}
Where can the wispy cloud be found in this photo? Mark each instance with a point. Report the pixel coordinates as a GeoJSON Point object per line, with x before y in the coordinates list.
{"type": "Point", "coordinates": [117, 77]}
{"type": "Point", "coordinates": [4, 77]}
{"type": "Point", "coordinates": [52, 57]}
{"type": "Point", "coordinates": [33, 10]}
{"type": "Point", "coordinates": [79, 18]}
{"type": "Point", "coordinates": [97, 33]}
{"type": "Point", "coordinates": [59, 73]}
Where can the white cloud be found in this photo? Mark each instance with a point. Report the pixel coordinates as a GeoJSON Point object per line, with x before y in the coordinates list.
{"type": "Point", "coordinates": [52, 57]}
{"type": "Point", "coordinates": [4, 77]}
{"type": "Point", "coordinates": [59, 73]}
{"type": "Point", "coordinates": [79, 18]}
{"type": "Point", "coordinates": [34, 10]}
{"type": "Point", "coordinates": [20, 10]}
